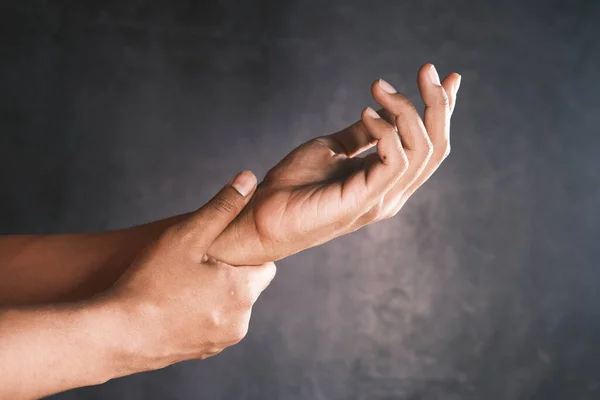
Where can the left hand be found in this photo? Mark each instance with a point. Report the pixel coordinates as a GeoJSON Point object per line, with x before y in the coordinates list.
{"type": "Point", "coordinates": [324, 189]}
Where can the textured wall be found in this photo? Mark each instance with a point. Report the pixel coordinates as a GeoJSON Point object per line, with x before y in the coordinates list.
{"type": "Point", "coordinates": [485, 286]}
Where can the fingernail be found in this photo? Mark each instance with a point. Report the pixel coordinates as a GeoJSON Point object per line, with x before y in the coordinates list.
{"type": "Point", "coordinates": [387, 87]}
{"type": "Point", "coordinates": [372, 113]}
{"type": "Point", "coordinates": [433, 75]}
{"type": "Point", "coordinates": [457, 84]}
{"type": "Point", "coordinates": [244, 182]}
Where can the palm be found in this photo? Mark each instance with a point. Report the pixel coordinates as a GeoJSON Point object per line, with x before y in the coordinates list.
{"type": "Point", "coordinates": [323, 189]}
{"type": "Point", "coordinates": [304, 194]}
{"type": "Point", "coordinates": [308, 198]}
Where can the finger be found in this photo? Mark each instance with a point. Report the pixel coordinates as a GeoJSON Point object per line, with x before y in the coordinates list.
{"type": "Point", "coordinates": [437, 107]}
{"type": "Point", "coordinates": [416, 162]}
{"type": "Point", "coordinates": [387, 116]}
{"type": "Point", "coordinates": [356, 138]}
{"type": "Point", "coordinates": [205, 224]}
{"type": "Point", "coordinates": [415, 136]}
{"type": "Point", "coordinates": [257, 278]}
{"type": "Point", "coordinates": [382, 169]}
{"type": "Point", "coordinates": [391, 162]}
{"type": "Point", "coordinates": [351, 141]}
{"type": "Point", "coordinates": [439, 99]}
{"type": "Point", "coordinates": [451, 84]}
{"type": "Point", "coordinates": [415, 140]}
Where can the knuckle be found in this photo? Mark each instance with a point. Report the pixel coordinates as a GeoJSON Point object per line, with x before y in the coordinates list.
{"type": "Point", "coordinates": [411, 109]}
{"type": "Point", "coordinates": [209, 353]}
{"type": "Point", "coordinates": [446, 150]}
{"type": "Point", "coordinates": [187, 236]}
{"type": "Point", "coordinates": [375, 213]}
{"type": "Point", "coordinates": [239, 332]}
{"type": "Point", "coordinates": [401, 119]}
{"type": "Point", "coordinates": [443, 99]}
{"type": "Point", "coordinates": [342, 223]}
{"type": "Point", "coordinates": [406, 111]}
{"type": "Point", "coordinates": [402, 164]}
{"type": "Point", "coordinates": [427, 148]}
{"type": "Point", "coordinates": [441, 151]}
{"type": "Point", "coordinates": [180, 237]}
{"type": "Point", "coordinates": [396, 159]}
{"type": "Point", "coordinates": [378, 208]}
{"type": "Point", "coordinates": [224, 205]}
{"type": "Point", "coordinates": [405, 102]}
{"type": "Point", "coordinates": [215, 319]}
{"type": "Point", "coordinates": [241, 291]}
{"type": "Point", "coordinates": [272, 268]}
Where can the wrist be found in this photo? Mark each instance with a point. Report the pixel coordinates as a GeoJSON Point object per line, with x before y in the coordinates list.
{"type": "Point", "coordinates": [66, 345]}
{"type": "Point", "coordinates": [145, 343]}
{"type": "Point", "coordinates": [240, 243]}
{"type": "Point", "coordinates": [126, 338]}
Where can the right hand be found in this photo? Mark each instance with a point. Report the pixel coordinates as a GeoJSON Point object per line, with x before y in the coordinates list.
{"type": "Point", "coordinates": [184, 304]}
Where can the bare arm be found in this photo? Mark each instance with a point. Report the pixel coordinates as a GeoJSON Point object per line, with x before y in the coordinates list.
{"type": "Point", "coordinates": [172, 304]}
{"type": "Point", "coordinates": [47, 349]}
{"type": "Point", "coordinates": [321, 190]}
{"type": "Point", "coordinates": [48, 268]}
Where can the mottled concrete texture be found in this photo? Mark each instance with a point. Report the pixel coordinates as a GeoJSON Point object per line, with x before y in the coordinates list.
{"type": "Point", "coordinates": [485, 286]}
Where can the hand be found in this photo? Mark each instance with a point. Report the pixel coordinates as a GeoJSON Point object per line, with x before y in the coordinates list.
{"type": "Point", "coordinates": [183, 303]}
{"type": "Point", "coordinates": [324, 189]}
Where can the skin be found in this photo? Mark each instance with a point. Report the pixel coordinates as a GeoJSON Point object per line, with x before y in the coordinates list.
{"type": "Point", "coordinates": [145, 297]}
{"type": "Point", "coordinates": [324, 189]}
{"type": "Point", "coordinates": [174, 303]}
{"type": "Point", "coordinates": [42, 269]}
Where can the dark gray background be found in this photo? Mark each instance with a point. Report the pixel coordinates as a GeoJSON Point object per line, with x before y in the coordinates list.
{"type": "Point", "coordinates": [485, 286]}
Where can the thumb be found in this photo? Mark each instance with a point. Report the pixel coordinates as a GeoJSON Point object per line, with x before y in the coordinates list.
{"type": "Point", "coordinates": [212, 218]}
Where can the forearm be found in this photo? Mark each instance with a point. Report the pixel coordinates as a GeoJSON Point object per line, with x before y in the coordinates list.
{"type": "Point", "coordinates": [48, 268]}
{"type": "Point", "coordinates": [44, 350]}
